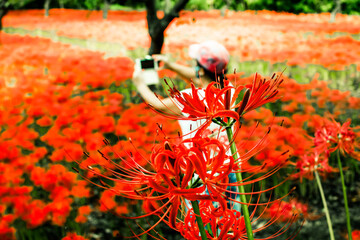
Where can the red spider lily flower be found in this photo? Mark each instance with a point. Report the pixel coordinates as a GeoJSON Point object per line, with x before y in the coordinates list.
{"type": "Point", "coordinates": [196, 169]}
{"type": "Point", "coordinates": [332, 136]}
{"type": "Point", "coordinates": [37, 214]}
{"type": "Point", "coordinates": [213, 102]}
{"type": "Point", "coordinates": [285, 211]}
{"type": "Point", "coordinates": [60, 210]}
{"type": "Point", "coordinates": [81, 189]}
{"type": "Point", "coordinates": [355, 235]}
{"type": "Point", "coordinates": [206, 103]}
{"type": "Point", "coordinates": [311, 162]}
{"type": "Point", "coordinates": [73, 236]}
{"type": "Point", "coordinates": [107, 201]}
{"type": "Point", "coordinates": [228, 224]}
{"type": "Point", "coordinates": [169, 178]}
{"type": "Point", "coordinates": [83, 212]}
{"type": "Point", "coordinates": [56, 176]}
{"type": "Point", "coordinates": [260, 92]}
{"type": "Point", "coordinates": [6, 231]}
{"type": "Point", "coordinates": [225, 225]}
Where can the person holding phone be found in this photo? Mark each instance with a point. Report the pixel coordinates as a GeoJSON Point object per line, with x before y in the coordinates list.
{"type": "Point", "coordinates": [212, 59]}
{"type": "Point", "coordinates": [211, 63]}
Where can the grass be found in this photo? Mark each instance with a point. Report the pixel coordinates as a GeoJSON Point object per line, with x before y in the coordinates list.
{"type": "Point", "coordinates": [110, 49]}
{"type": "Point", "coordinates": [346, 80]}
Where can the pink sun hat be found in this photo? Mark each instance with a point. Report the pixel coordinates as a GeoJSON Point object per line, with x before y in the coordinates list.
{"type": "Point", "coordinates": [211, 55]}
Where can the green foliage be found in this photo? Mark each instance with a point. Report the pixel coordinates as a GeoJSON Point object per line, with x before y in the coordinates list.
{"type": "Point", "coordinates": [127, 4]}
{"type": "Point", "coordinates": [120, 7]}
{"type": "Point", "coordinates": [326, 7]}
{"type": "Point", "coordinates": [17, 4]}
{"type": "Point", "coordinates": [350, 7]}
{"type": "Point", "coordinates": [92, 4]}
{"type": "Point", "coordinates": [296, 6]}
{"type": "Point", "coordinates": [197, 5]}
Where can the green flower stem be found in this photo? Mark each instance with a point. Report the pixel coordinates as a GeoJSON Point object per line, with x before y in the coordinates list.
{"type": "Point", "coordinates": [244, 208]}
{"type": "Point", "coordinates": [196, 209]}
{"type": "Point", "coordinates": [345, 197]}
{"type": "Point", "coordinates": [209, 230]}
{"type": "Point", "coordinates": [327, 214]}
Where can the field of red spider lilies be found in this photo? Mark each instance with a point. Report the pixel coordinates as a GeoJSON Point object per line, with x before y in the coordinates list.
{"type": "Point", "coordinates": [60, 100]}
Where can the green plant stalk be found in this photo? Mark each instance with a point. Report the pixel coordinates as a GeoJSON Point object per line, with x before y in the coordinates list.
{"type": "Point", "coordinates": [244, 208]}
{"type": "Point", "coordinates": [345, 197]}
{"type": "Point", "coordinates": [196, 209]}
{"type": "Point", "coordinates": [327, 214]}
{"type": "Point", "coordinates": [209, 229]}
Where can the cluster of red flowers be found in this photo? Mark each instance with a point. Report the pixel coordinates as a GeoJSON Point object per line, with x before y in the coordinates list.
{"type": "Point", "coordinates": [197, 168]}
{"type": "Point", "coordinates": [313, 161]}
{"type": "Point", "coordinates": [304, 106]}
{"type": "Point", "coordinates": [356, 235]}
{"type": "Point", "coordinates": [329, 136]}
{"type": "Point", "coordinates": [285, 211]}
{"type": "Point", "coordinates": [279, 37]}
{"type": "Point", "coordinates": [332, 136]}
{"type": "Point", "coordinates": [73, 236]}
{"type": "Point", "coordinates": [55, 102]}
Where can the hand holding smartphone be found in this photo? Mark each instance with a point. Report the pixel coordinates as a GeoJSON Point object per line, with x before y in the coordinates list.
{"type": "Point", "coordinates": [149, 68]}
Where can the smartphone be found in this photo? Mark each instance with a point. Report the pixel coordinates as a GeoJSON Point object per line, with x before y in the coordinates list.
{"type": "Point", "coordinates": [147, 63]}
{"type": "Point", "coordinates": [149, 68]}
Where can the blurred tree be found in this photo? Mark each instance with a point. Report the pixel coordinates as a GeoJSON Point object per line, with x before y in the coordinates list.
{"type": "Point", "coordinates": [3, 10]}
{"type": "Point", "coordinates": [296, 6]}
{"type": "Point", "coordinates": [106, 8]}
{"type": "Point", "coordinates": [240, 4]}
{"type": "Point", "coordinates": [47, 7]}
{"type": "Point", "coordinates": [167, 5]}
{"type": "Point", "coordinates": [92, 4]}
{"type": "Point", "coordinates": [336, 10]}
{"type": "Point", "coordinates": [157, 26]}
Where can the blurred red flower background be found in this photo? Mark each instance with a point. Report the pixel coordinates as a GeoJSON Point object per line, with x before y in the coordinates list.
{"type": "Point", "coordinates": [59, 101]}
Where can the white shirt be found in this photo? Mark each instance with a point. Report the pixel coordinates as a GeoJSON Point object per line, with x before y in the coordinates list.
{"type": "Point", "coordinates": [189, 127]}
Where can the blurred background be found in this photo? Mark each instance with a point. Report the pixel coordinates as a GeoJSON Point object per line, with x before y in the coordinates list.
{"type": "Point", "coordinates": [65, 85]}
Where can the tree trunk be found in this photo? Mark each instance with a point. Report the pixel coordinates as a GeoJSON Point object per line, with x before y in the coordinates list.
{"type": "Point", "coordinates": [157, 26]}
{"type": "Point", "coordinates": [167, 7]}
{"type": "Point", "coordinates": [225, 8]}
{"type": "Point", "coordinates": [245, 5]}
{"type": "Point", "coordinates": [47, 7]}
{"type": "Point", "coordinates": [3, 11]}
{"type": "Point", "coordinates": [61, 3]}
{"type": "Point", "coordinates": [106, 9]}
{"type": "Point", "coordinates": [336, 10]}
